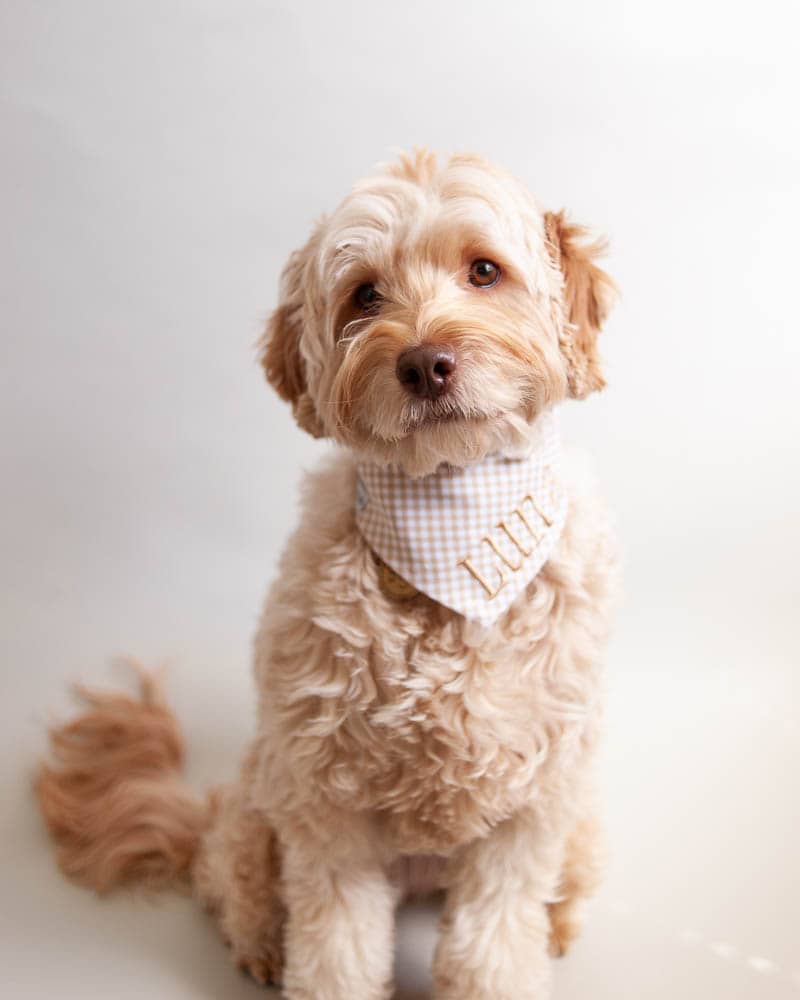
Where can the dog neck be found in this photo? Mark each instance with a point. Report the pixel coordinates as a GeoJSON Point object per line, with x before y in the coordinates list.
{"type": "Point", "coordinates": [471, 538]}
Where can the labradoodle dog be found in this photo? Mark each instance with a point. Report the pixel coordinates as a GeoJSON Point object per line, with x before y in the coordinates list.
{"type": "Point", "coordinates": [428, 661]}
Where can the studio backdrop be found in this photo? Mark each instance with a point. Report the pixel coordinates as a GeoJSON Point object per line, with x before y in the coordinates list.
{"type": "Point", "coordinates": [160, 160]}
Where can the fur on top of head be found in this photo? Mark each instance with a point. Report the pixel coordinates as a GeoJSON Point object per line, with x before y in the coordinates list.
{"type": "Point", "coordinates": [455, 257]}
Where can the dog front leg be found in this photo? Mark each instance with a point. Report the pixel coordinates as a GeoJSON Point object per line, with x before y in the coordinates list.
{"type": "Point", "coordinates": [495, 927]}
{"type": "Point", "coordinates": [340, 929]}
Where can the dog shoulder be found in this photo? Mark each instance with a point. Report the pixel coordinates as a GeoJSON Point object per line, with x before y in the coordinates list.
{"type": "Point", "coordinates": [325, 547]}
{"type": "Point", "coordinates": [328, 499]}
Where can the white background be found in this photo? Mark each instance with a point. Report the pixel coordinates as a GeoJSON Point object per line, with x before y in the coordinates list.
{"type": "Point", "coordinates": [159, 161]}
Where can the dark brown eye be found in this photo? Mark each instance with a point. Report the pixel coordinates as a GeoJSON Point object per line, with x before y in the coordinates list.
{"type": "Point", "coordinates": [366, 296]}
{"type": "Point", "coordinates": [483, 273]}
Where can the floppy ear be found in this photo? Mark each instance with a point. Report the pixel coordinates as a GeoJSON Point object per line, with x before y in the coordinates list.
{"type": "Point", "coordinates": [588, 295]}
{"type": "Point", "coordinates": [279, 348]}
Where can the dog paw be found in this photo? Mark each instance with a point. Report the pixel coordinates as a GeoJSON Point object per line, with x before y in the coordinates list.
{"type": "Point", "coordinates": [266, 970]}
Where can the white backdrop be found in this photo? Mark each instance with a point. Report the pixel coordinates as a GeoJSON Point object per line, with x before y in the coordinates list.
{"type": "Point", "coordinates": [159, 161]}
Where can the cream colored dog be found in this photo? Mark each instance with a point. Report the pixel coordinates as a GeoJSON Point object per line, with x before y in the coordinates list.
{"type": "Point", "coordinates": [432, 320]}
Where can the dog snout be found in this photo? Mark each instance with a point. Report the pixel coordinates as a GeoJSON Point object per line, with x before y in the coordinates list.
{"type": "Point", "coordinates": [427, 371]}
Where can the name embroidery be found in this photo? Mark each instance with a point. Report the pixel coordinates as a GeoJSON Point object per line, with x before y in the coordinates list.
{"type": "Point", "coordinates": [529, 514]}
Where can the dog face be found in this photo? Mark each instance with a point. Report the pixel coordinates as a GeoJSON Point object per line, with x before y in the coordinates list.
{"type": "Point", "coordinates": [435, 314]}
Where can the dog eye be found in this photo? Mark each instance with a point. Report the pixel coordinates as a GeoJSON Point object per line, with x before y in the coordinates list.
{"type": "Point", "coordinates": [483, 273]}
{"type": "Point", "coordinates": [366, 296]}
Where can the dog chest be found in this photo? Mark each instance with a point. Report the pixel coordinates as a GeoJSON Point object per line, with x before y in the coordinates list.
{"type": "Point", "coordinates": [445, 748]}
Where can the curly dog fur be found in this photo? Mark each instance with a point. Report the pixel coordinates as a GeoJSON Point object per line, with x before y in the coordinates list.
{"type": "Point", "coordinates": [399, 747]}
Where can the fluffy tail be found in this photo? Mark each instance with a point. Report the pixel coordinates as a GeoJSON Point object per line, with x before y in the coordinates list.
{"type": "Point", "coordinates": [112, 799]}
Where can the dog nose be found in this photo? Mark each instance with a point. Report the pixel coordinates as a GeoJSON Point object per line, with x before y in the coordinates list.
{"type": "Point", "coordinates": [426, 371]}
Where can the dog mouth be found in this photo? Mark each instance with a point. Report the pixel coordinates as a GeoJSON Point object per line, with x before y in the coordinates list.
{"type": "Point", "coordinates": [442, 418]}
{"type": "Point", "coordinates": [437, 417]}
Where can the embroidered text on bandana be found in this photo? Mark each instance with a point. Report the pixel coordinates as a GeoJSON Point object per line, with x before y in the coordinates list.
{"type": "Point", "coordinates": [471, 538]}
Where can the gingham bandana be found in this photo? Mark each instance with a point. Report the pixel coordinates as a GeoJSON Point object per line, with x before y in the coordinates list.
{"type": "Point", "coordinates": [471, 538]}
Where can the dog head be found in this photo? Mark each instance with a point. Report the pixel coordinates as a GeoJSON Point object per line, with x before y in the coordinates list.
{"type": "Point", "coordinates": [435, 314]}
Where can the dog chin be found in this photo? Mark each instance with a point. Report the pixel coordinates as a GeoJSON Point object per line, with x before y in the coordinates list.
{"type": "Point", "coordinates": [452, 438]}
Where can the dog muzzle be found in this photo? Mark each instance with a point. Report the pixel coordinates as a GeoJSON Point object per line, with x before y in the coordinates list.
{"type": "Point", "coordinates": [471, 538]}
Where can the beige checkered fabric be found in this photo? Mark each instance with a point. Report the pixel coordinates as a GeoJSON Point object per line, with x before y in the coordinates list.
{"type": "Point", "coordinates": [471, 538]}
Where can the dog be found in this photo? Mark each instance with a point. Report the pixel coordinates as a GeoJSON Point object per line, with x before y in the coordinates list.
{"type": "Point", "coordinates": [428, 663]}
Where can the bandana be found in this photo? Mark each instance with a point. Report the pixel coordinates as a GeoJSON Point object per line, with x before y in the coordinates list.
{"type": "Point", "coordinates": [471, 538]}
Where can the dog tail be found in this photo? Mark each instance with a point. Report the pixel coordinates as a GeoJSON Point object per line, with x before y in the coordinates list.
{"type": "Point", "coordinates": [112, 798]}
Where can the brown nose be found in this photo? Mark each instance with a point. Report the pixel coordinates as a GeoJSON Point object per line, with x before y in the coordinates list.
{"type": "Point", "coordinates": [427, 371]}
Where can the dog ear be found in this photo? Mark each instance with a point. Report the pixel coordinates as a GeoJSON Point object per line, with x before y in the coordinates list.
{"type": "Point", "coordinates": [588, 296]}
{"type": "Point", "coordinates": [279, 348]}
